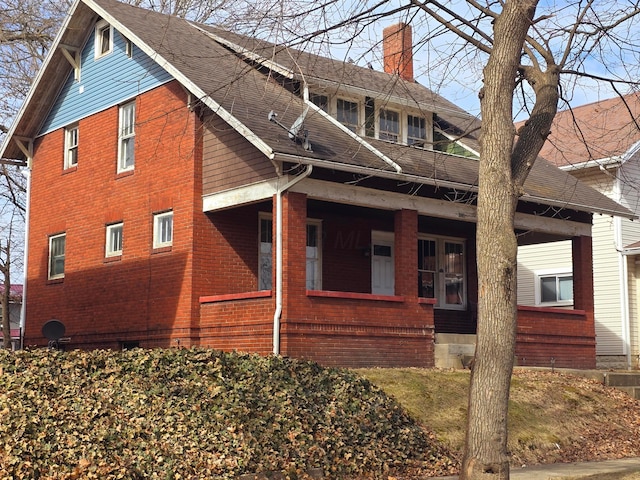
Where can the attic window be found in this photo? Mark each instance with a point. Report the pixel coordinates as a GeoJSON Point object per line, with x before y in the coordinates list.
{"type": "Point", "coordinates": [416, 131]}
{"type": "Point", "coordinates": [104, 39]}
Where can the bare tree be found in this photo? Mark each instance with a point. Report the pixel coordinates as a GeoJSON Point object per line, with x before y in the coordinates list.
{"type": "Point", "coordinates": [533, 60]}
{"type": "Point", "coordinates": [536, 58]}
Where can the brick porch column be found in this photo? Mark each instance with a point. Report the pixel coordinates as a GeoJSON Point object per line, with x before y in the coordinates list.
{"type": "Point", "coordinates": [406, 253]}
{"type": "Point", "coordinates": [582, 256]}
{"type": "Point", "coordinates": [294, 263]}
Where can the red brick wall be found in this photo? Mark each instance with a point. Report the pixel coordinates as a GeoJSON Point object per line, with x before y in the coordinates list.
{"type": "Point", "coordinates": [243, 325]}
{"type": "Point", "coordinates": [143, 295]}
{"type": "Point", "coordinates": [353, 330]}
{"type": "Point", "coordinates": [553, 337]}
{"type": "Point", "coordinates": [398, 50]}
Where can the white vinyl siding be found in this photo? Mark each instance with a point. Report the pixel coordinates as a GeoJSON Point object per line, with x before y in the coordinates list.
{"type": "Point", "coordinates": [606, 269]}
{"type": "Point", "coordinates": [606, 287]}
{"type": "Point", "coordinates": [537, 258]}
{"type": "Point", "coordinates": [634, 312]}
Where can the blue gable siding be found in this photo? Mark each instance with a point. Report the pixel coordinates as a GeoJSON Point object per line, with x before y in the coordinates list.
{"type": "Point", "coordinates": [104, 82]}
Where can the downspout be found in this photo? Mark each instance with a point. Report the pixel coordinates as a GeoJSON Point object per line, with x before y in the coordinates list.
{"type": "Point", "coordinates": [23, 307]}
{"type": "Point", "coordinates": [278, 312]}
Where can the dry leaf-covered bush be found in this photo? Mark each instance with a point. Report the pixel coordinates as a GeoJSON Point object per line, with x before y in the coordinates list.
{"type": "Point", "coordinates": [172, 414]}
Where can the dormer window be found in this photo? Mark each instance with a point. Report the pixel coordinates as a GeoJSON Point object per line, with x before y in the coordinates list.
{"type": "Point", "coordinates": [104, 39]}
{"type": "Point", "coordinates": [320, 101]}
{"type": "Point", "coordinates": [389, 125]}
{"type": "Point", "coordinates": [416, 131]}
{"type": "Point", "coordinates": [347, 114]}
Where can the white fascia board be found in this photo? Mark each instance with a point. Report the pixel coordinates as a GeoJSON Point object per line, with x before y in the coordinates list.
{"type": "Point", "coordinates": [372, 198]}
{"type": "Point", "coordinates": [185, 81]}
{"type": "Point", "coordinates": [579, 207]}
{"type": "Point", "coordinates": [276, 67]}
{"type": "Point", "coordinates": [54, 46]}
{"type": "Point", "coordinates": [244, 195]}
{"type": "Point", "coordinates": [609, 162]}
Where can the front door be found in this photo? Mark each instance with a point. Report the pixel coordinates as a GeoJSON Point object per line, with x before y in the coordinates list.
{"type": "Point", "coordinates": [382, 263]}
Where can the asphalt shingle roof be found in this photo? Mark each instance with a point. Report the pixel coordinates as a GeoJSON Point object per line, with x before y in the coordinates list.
{"type": "Point", "coordinates": [223, 75]}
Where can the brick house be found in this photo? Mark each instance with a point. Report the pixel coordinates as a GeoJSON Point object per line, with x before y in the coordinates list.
{"type": "Point", "coordinates": [211, 189]}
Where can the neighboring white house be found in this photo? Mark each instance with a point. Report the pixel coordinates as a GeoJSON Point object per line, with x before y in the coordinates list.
{"type": "Point", "coordinates": [598, 143]}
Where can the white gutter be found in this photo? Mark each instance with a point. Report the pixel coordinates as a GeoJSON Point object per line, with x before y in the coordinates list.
{"type": "Point", "coordinates": [23, 307]}
{"type": "Point", "coordinates": [609, 162]}
{"type": "Point", "coordinates": [278, 312]}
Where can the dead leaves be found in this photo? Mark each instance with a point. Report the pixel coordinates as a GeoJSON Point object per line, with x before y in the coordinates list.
{"type": "Point", "coordinates": [178, 413]}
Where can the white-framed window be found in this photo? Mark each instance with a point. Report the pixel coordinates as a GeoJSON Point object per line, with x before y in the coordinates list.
{"type": "Point", "coordinates": [389, 125]}
{"type": "Point", "coordinates": [126, 136]}
{"type": "Point", "coordinates": [313, 253]}
{"type": "Point", "coordinates": [347, 113]}
{"type": "Point", "coordinates": [104, 39]}
{"type": "Point", "coordinates": [56, 255]}
{"type": "Point", "coordinates": [113, 243]}
{"type": "Point", "coordinates": [71, 146]}
{"type": "Point", "coordinates": [442, 272]}
{"type": "Point", "coordinates": [163, 230]}
{"type": "Point", "coordinates": [320, 101]}
{"type": "Point", "coordinates": [416, 130]}
{"type": "Point", "coordinates": [554, 287]}
{"type": "Point", "coordinates": [128, 47]}
{"type": "Point", "coordinates": [265, 252]}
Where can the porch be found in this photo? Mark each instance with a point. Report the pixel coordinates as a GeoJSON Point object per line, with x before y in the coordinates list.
{"type": "Point", "coordinates": [363, 286]}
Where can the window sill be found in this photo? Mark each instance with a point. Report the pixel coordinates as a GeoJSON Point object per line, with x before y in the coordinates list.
{"type": "Point", "coordinates": [70, 170]}
{"type": "Point", "coordinates": [161, 249]}
{"type": "Point", "coordinates": [354, 296]}
{"type": "Point", "coordinates": [235, 296]}
{"type": "Point", "coordinates": [124, 174]}
{"type": "Point", "coordinates": [565, 310]}
{"type": "Point", "coordinates": [55, 281]}
{"type": "Point", "coordinates": [113, 258]}
{"type": "Point", "coordinates": [427, 301]}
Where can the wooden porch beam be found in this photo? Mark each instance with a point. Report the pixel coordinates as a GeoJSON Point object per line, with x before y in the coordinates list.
{"type": "Point", "coordinates": [372, 198]}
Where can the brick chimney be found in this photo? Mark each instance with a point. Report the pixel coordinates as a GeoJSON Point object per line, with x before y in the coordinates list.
{"type": "Point", "coordinates": [398, 50]}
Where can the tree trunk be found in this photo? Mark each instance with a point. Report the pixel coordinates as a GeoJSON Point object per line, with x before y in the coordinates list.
{"type": "Point", "coordinates": [486, 455]}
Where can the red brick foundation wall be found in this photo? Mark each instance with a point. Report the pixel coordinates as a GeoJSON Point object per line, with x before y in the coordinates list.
{"type": "Point", "coordinates": [238, 322]}
{"type": "Point", "coordinates": [549, 337]}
